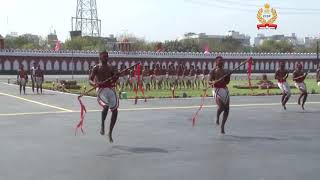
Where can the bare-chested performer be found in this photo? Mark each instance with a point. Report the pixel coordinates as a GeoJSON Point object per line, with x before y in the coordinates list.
{"type": "Point", "coordinates": [153, 76]}
{"type": "Point", "coordinates": [185, 79]}
{"type": "Point", "coordinates": [172, 77]}
{"type": "Point", "coordinates": [299, 77]}
{"type": "Point", "coordinates": [157, 73]}
{"type": "Point", "coordinates": [281, 75]}
{"type": "Point", "coordinates": [146, 77]}
{"type": "Point", "coordinates": [39, 78]}
{"type": "Point", "coordinates": [22, 79]}
{"type": "Point", "coordinates": [106, 94]}
{"type": "Point", "coordinates": [192, 77]}
{"type": "Point", "coordinates": [198, 77]}
{"type": "Point", "coordinates": [206, 75]}
{"type": "Point", "coordinates": [220, 91]}
{"type": "Point", "coordinates": [32, 74]}
{"type": "Point", "coordinates": [179, 74]}
{"type": "Point", "coordinates": [122, 81]}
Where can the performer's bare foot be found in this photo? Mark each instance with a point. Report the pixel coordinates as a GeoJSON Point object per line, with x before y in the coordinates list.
{"type": "Point", "coordinates": [217, 123]}
{"type": "Point", "coordinates": [145, 99]}
{"type": "Point", "coordinates": [303, 107]}
{"type": "Point", "coordinates": [135, 100]}
{"type": "Point", "coordinates": [102, 132]}
{"type": "Point", "coordinates": [222, 131]}
{"type": "Point", "coordinates": [110, 138]}
{"type": "Point", "coordinates": [284, 106]}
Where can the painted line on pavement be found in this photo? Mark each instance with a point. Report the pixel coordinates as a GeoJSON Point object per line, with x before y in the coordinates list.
{"type": "Point", "coordinates": [36, 102]}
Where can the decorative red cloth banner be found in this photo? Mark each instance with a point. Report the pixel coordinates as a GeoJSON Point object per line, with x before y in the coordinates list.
{"type": "Point", "coordinates": [137, 74]}
{"type": "Point", "coordinates": [249, 71]}
{"type": "Point", "coordinates": [83, 110]}
{"type": "Point", "coordinates": [272, 26]}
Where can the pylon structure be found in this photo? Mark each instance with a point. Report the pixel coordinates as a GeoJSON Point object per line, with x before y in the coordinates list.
{"type": "Point", "coordinates": [86, 21]}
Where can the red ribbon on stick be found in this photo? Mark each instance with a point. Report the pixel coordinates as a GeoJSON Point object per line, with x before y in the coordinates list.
{"type": "Point", "coordinates": [83, 110]}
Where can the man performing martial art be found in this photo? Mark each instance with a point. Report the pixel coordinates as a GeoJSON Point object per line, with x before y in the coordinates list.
{"type": "Point", "coordinates": [39, 78]}
{"type": "Point", "coordinates": [206, 75]}
{"type": "Point", "coordinates": [179, 74]}
{"type": "Point", "coordinates": [122, 80]}
{"type": "Point", "coordinates": [22, 79]}
{"type": "Point", "coordinates": [33, 72]}
{"type": "Point", "coordinates": [299, 77]}
{"type": "Point", "coordinates": [106, 94]}
{"type": "Point", "coordinates": [146, 78]}
{"type": "Point", "coordinates": [281, 75]}
{"type": "Point", "coordinates": [220, 91]}
{"type": "Point", "coordinates": [198, 77]}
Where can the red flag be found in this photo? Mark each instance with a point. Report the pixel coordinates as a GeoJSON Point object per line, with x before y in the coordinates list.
{"type": "Point", "coordinates": [83, 110]}
{"type": "Point", "coordinates": [58, 46]}
{"type": "Point", "coordinates": [206, 49]}
{"type": "Point", "coordinates": [249, 71]}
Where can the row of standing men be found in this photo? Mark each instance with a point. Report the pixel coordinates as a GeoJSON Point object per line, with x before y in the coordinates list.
{"type": "Point", "coordinates": [159, 77]}
{"type": "Point", "coordinates": [37, 78]}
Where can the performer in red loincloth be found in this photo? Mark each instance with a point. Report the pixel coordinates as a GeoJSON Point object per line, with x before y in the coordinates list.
{"type": "Point", "coordinates": [281, 75]}
{"type": "Point", "coordinates": [220, 91]}
{"type": "Point", "coordinates": [298, 78]}
{"type": "Point", "coordinates": [22, 79]}
{"type": "Point", "coordinates": [106, 94]}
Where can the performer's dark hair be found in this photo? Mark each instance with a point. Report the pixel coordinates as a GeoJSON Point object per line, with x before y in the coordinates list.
{"type": "Point", "coordinates": [104, 52]}
{"type": "Point", "coordinates": [219, 57]}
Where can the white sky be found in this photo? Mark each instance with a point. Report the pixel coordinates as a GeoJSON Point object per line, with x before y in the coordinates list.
{"type": "Point", "coordinates": [160, 19]}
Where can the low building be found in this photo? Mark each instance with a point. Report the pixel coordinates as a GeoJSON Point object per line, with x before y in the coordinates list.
{"type": "Point", "coordinates": [279, 37]}
{"type": "Point", "coordinates": [203, 38]}
{"type": "Point", "coordinates": [110, 42]}
{"type": "Point", "coordinates": [310, 41]}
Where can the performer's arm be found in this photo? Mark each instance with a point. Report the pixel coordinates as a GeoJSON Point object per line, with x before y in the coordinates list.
{"type": "Point", "coordinates": [305, 75]}
{"type": "Point", "coordinates": [295, 77]}
{"type": "Point", "coordinates": [115, 75]}
{"type": "Point", "coordinates": [276, 75]}
{"type": "Point", "coordinates": [42, 76]}
{"type": "Point", "coordinates": [227, 79]}
{"type": "Point", "coordinates": [212, 78]}
{"type": "Point", "coordinates": [286, 76]}
{"type": "Point", "coordinates": [92, 76]}
{"type": "Point", "coordinates": [32, 73]}
{"type": "Point", "coordinates": [26, 77]}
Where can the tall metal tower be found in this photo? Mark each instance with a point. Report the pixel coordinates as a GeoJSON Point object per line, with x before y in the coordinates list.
{"type": "Point", "coordinates": [86, 21]}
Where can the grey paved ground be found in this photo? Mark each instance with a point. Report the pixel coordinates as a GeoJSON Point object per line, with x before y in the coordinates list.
{"type": "Point", "coordinates": [155, 141]}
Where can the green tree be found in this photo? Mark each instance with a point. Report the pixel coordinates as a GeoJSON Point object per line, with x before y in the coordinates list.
{"type": "Point", "coordinates": [273, 46]}
{"type": "Point", "coordinates": [83, 43]}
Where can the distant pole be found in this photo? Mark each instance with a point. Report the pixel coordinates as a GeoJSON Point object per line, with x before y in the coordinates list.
{"type": "Point", "coordinates": [72, 63]}
{"type": "Point", "coordinates": [318, 53]}
{"type": "Point", "coordinates": [318, 50]}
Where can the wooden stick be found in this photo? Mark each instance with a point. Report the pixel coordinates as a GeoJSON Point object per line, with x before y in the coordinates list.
{"type": "Point", "coordinates": [109, 79]}
{"type": "Point", "coordinates": [231, 72]}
